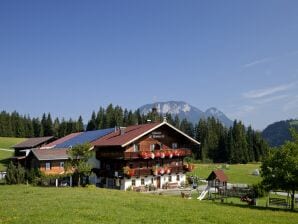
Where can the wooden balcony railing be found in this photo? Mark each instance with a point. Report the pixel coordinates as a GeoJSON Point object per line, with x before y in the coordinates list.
{"type": "Point", "coordinates": [169, 153]}
{"type": "Point", "coordinates": [131, 155]}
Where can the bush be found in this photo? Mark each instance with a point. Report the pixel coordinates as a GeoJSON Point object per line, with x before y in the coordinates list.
{"type": "Point", "coordinates": [15, 174]}
{"type": "Point", "coordinates": [259, 191]}
{"type": "Point", "coordinates": [34, 176]}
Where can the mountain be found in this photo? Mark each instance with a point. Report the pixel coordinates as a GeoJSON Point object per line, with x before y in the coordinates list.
{"type": "Point", "coordinates": [277, 133]}
{"type": "Point", "coordinates": [185, 110]}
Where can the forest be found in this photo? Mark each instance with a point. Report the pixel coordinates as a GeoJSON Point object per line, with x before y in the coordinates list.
{"type": "Point", "coordinates": [237, 144]}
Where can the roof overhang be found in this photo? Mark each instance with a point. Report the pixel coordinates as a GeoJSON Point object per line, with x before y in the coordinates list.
{"type": "Point", "coordinates": [157, 126]}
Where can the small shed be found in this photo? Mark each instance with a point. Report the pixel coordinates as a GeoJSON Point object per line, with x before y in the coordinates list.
{"type": "Point", "coordinates": [217, 179]}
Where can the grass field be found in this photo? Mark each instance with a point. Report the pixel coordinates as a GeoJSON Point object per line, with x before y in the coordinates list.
{"type": "Point", "coordinates": [237, 173]}
{"type": "Point", "coordinates": [7, 143]}
{"type": "Point", "coordinates": [25, 204]}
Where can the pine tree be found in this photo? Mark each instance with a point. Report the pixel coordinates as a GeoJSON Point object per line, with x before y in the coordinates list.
{"type": "Point", "coordinates": [80, 124]}
{"type": "Point", "coordinates": [56, 127]}
{"type": "Point", "coordinates": [37, 128]}
{"type": "Point", "coordinates": [92, 123]}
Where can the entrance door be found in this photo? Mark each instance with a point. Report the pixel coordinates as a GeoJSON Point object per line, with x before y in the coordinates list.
{"type": "Point", "coordinates": [158, 182]}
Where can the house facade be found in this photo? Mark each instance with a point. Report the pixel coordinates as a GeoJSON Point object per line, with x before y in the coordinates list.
{"type": "Point", "coordinates": [136, 157]}
{"type": "Point", "coordinates": [143, 156]}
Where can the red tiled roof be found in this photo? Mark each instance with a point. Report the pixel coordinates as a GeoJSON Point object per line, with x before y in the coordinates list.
{"type": "Point", "coordinates": [33, 142]}
{"type": "Point", "coordinates": [61, 140]}
{"type": "Point", "coordinates": [50, 154]}
{"type": "Point", "coordinates": [219, 175]}
{"type": "Point", "coordinates": [130, 133]}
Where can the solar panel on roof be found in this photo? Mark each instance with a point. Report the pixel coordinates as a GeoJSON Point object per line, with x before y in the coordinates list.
{"type": "Point", "coordinates": [85, 137]}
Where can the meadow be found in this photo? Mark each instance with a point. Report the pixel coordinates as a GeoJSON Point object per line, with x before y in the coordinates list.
{"type": "Point", "coordinates": [237, 173]}
{"type": "Point", "coordinates": [26, 204]}
{"type": "Point", "coordinates": [7, 143]}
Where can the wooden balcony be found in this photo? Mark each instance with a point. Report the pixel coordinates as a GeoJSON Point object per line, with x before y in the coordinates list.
{"type": "Point", "coordinates": [131, 155]}
{"type": "Point", "coordinates": [142, 172]}
{"type": "Point", "coordinates": [169, 153]}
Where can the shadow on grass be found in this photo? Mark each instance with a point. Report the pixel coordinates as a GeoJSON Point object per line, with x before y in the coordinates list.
{"type": "Point", "coordinates": [5, 161]}
{"type": "Point", "coordinates": [255, 207]}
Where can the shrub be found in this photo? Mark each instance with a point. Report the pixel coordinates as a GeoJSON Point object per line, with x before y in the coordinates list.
{"type": "Point", "coordinates": [15, 174]}
{"type": "Point", "coordinates": [34, 176]}
{"type": "Point", "coordinates": [259, 191]}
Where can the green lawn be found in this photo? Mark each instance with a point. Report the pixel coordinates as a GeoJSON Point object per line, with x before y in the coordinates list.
{"type": "Point", "coordinates": [237, 173]}
{"type": "Point", "coordinates": [22, 204]}
{"type": "Point", "coordinates": [4, 155]}
{"type": "Point", "coordinates": [7, 143]}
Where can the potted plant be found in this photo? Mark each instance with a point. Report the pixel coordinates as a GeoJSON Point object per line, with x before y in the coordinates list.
{"type": "Point", "coordinates": [169, 153]}
{"type": "Point", "coordinates": [161, 170]}
{"type": "Point", "coordinates": [128, 171]}
{"type": "Point", "coordinates": [152, 155]}
{"type": "Point", "coordinates": [155, 170]}
{"type": "Point", "coordinates": [145, 155]}
{"type": "Point", "coordinates": [177, 152]}
{"type": "Point", "coordinates": [157, 154]}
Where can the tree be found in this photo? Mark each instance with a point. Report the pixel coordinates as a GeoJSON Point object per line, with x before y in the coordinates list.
{"type": "Point", "coordinates": [15, 174]}
{"type": "Point", "coordinates": [80, 124]}
{"type": "Point", "coordinates": [280, 169]}
{"type": "Point", "coordinates": [92, 123]}
{"type": "Point", "coordinates": [78, 160]}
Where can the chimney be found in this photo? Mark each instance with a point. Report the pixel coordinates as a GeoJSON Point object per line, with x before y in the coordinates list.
{"type": "Point", "coordinates": [122, 130]}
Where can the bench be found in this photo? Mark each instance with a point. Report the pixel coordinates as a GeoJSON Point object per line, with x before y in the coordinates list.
{"type": "Point", "coordinates": [278, 202]}
{"type": "Point", "coordinates": [172, 185]}
{"type": "Point", "coordinates": [139, 189]}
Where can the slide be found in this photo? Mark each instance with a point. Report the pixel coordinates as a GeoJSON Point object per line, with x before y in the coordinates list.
{"type": "Point", "coordinates": [203, 194]}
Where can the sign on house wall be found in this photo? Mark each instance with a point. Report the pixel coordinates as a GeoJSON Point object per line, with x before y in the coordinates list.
{"type": "Point", "coordinates": [157, 134]}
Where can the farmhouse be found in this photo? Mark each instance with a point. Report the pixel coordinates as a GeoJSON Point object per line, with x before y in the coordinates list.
{"type": "Point", "coordinates": [51, 158]}
{"type": "Point", "coordinates": [137, 156]}
{"type": "Point", "coordinates": [142, 156]}
{"type": "Point", "coordinates": [22, 149]}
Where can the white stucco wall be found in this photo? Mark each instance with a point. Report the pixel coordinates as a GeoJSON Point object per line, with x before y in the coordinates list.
{"type": "Point", "coordinates": [127, 182]}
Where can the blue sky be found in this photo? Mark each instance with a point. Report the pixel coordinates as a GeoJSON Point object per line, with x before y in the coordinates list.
{"type": "Point", "coordinates": [70, 57]}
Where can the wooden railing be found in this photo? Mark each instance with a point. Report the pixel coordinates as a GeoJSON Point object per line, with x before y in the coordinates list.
{"type": "Point", "coordinates": [131, 155]}
{"type": "Point", "coordinates": [169, 153]}
{"type": "Point", "coordinates": [143, 172]}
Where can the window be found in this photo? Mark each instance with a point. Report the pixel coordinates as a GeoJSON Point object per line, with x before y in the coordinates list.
{"type": "Point", "coordinates": [133, 182]}
{"type": "Point", "coordinates": [61, 164]}
{"type": "Point", "coordinates": [135, 147]}
{"type": "Point", "coordinates": [174, 145]}
{"type": "Point", "coordinates": [142, 181]}
{"type": "Point", "coordinates": [48, 165]}
{"type": "Point", "coordinates": [170, 178]}
{"type": "Point", "coordinates": [152, 147]}
{"type": "Point", "coordinates": [178, 178]}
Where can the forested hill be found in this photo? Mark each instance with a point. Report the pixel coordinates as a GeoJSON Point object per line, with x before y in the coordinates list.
{"type": "Point", "coordinates": [236, 144]}
{"type": "Point", "coordinates": [277, 133]}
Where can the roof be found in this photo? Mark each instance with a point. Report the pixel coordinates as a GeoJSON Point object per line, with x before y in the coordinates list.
{"type": "Point", "coordinates": [50, 154]}
{"type": "Point", "coordinates": [133, 133]}
{"type": "Point", "coordinates": [33, 142]}
{"type": "Point", "coordinates": [84, 137]}
{"type": "Point", "coordinates": [61, 140]}
{"type": "Point", "coordinates": [218, 175]}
